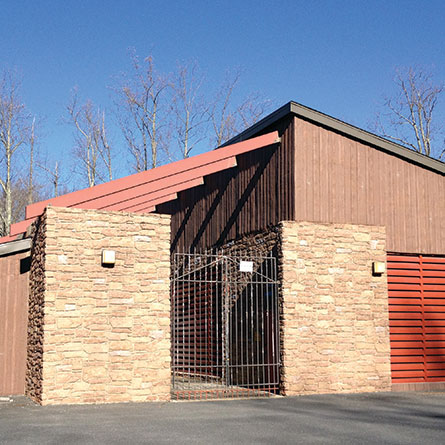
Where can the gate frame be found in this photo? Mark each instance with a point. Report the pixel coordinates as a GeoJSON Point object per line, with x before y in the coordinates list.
{"type": "Point", "coordinates": [227, 264]}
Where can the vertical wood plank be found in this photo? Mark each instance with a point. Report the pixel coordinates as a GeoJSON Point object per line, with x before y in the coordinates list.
{"type": "Point", "coordinates": [13, 324]}
{"type": "Point", "coordinates": [317, 175]}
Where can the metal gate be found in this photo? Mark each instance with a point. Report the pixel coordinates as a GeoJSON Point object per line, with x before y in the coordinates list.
{"type": "Point", "coordinates": [225, 326]}
{"type": "Point", "coordinates": [416, 287]}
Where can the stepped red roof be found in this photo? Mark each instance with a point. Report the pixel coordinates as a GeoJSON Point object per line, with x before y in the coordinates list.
{"type": "Point", "coordinates": [142, 192]}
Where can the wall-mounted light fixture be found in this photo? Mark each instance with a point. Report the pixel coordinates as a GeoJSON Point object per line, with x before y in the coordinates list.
{"type": "Point", "coordinates": [108, 258]}
{"type": "Point", "coordinates": [378, 267]}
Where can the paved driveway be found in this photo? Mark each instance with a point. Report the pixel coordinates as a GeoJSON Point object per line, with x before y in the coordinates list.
{"type": "Point", "coordinates": [393, 418]}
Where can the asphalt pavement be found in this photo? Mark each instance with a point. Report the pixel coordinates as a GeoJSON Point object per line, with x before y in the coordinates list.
{"type": "Point", "coordinates": [378, 418]}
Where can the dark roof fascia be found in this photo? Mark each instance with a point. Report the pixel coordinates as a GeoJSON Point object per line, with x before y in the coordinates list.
{"type": "Point", "coordinates": [260, 125]}
{"type": "Point", "coordinates": [343, 128]}
{"type": "Point", "coordinates": [12, 247]}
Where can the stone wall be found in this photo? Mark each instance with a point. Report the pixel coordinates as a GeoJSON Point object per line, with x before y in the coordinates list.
{"type": "Point", "coordinates": [101, 334]}
{"type": "Point", "coordinates": [34, 362]}
{"type": "Point", "coordinates": [260, 243]}
{"type": "Point", "coordinates": [335, 334]}
{"type": "Point", "coordinates": [106, 330]}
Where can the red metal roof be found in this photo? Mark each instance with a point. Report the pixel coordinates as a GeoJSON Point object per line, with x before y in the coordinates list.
{"type": "Point", "coordinates": [142, 192]}
{"type": "Point", "coordinates": [6, 239]}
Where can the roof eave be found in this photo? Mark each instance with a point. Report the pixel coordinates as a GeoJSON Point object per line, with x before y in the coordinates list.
{"type": "Point", "coordinates": [12, 247]}
{"type": "Point", "coordinates": [367, 137]}
{"type": "Point", "coordinates": [296, 109]}
{"type": "Point", "coordinates": [260, 125]}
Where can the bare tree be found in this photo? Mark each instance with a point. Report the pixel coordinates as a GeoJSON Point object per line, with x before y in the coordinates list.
{"type": "Point", "coordinates": [189, 107]}
{"type": "Point", "coordinates": [152, 106]}
{"type": "Point", "coordinates": [251, 110]}
{"type": "Point", "coordinates": [229, 119]}
{"type": "Point", "coordinates": [53, 174]}
{"type": "Point", "coordinates": [91, 144]}
{"type": "Point", "coordinates": [222, 116]}
{"type": "Point", "coordinates": [32, 140]}
{"type": "Point", "coordinates": [409, 117]}
{"type": "Point", "coordinates": [141, 112]}
{"type": "Point", "coordinates": [14, 136]}
{"type": "Point", "coordinates": [20, 198]}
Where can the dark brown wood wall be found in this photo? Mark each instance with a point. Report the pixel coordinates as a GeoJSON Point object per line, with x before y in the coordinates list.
{"type": "Point", "coordinates": [340, 180]}
{"type": "Point", "coordinates": [318, 175]}
{"type": "Point", "coordinates": [250, 197]}
{"type": "Point", "coordinates": [13, 322]}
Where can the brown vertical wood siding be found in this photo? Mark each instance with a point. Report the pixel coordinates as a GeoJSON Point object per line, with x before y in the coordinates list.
{"type": "Point", "coordinates": [250, 197]}
{"type": "Point", "coordinates": [317, 175]}
{"type": "Point", "coordinates": [340, 180]}
{"type": "Point", "coordinates": [13, 322]}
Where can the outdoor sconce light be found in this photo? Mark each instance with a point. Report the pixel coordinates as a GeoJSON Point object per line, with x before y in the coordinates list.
{"type": "Point", "coordinates": [108, 258]}
{"type": "Point", "coordinates": [378, 267]}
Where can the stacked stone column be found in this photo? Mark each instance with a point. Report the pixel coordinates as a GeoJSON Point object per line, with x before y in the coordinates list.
{"type": "Point", "coordinates": [335, 334]}
{"type": "Point", "coordinates": [105, 331]}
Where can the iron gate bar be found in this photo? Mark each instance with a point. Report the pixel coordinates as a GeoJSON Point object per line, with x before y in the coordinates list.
{"type": "Point", "coordinates": [214, 262]}
{"type": "Point", "coordinates": [225, 338]}
{"type": "Point", "coordinates": [258, 273]}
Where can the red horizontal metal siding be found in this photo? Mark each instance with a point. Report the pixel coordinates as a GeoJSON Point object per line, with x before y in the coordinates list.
{"type": "Point", "coordinates": [416, 287]}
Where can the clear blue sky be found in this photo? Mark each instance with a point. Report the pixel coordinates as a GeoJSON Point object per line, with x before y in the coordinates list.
{"type": "Point", "coordinates": [335, 56]}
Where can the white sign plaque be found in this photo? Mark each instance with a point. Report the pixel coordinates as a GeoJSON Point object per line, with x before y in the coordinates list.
{"type": "Point", "coordinates": [246, 266]}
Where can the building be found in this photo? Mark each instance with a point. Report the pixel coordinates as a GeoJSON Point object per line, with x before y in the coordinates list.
{"type": "Point", "coordinates": [304, 256]}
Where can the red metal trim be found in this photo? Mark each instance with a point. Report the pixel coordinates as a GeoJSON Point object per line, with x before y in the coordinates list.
{"type": "Point", "coordinates": [20, 227]}
{"type": "Point", "coordinates": [7, 239]}
{"type": "Point", "coordinates": [140, 192]}
{"type": "Point", "coordinates": [165, 171]}
{"type": "Point", "coordinates": [150, 196]}
{"type": "Point", "coordinates": [108, 202]}
{"type": "Point", "coordinates": [148, 205]}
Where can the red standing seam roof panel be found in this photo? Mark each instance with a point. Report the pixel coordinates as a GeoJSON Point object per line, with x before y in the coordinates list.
{"type": "Point", "coordinates": [7, 239]}
{"type": "Point", "coordinates": [150, 176]}
{"type": "Point", "coordinates": [141, 192]}
{"type": "Point", "coordinates": [178, 181]}
{"type": "Point", "coordinates": [127, 206]}
{"type": "Point", "coordinates": [21, 226]}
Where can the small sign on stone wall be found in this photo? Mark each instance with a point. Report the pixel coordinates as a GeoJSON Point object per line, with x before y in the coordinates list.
{"type": "Point", "coordinates": [246, 266]}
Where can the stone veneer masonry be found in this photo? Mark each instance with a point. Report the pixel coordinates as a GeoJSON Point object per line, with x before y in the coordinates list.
{"type": "Point", "coordinates": [335, 334]}
{"type": "Point", "coordinates": [99, 334]}
{"type": "Point", "coordinates": [103, 334]}
{"type": "Point", "coordinates": [34, 347]}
